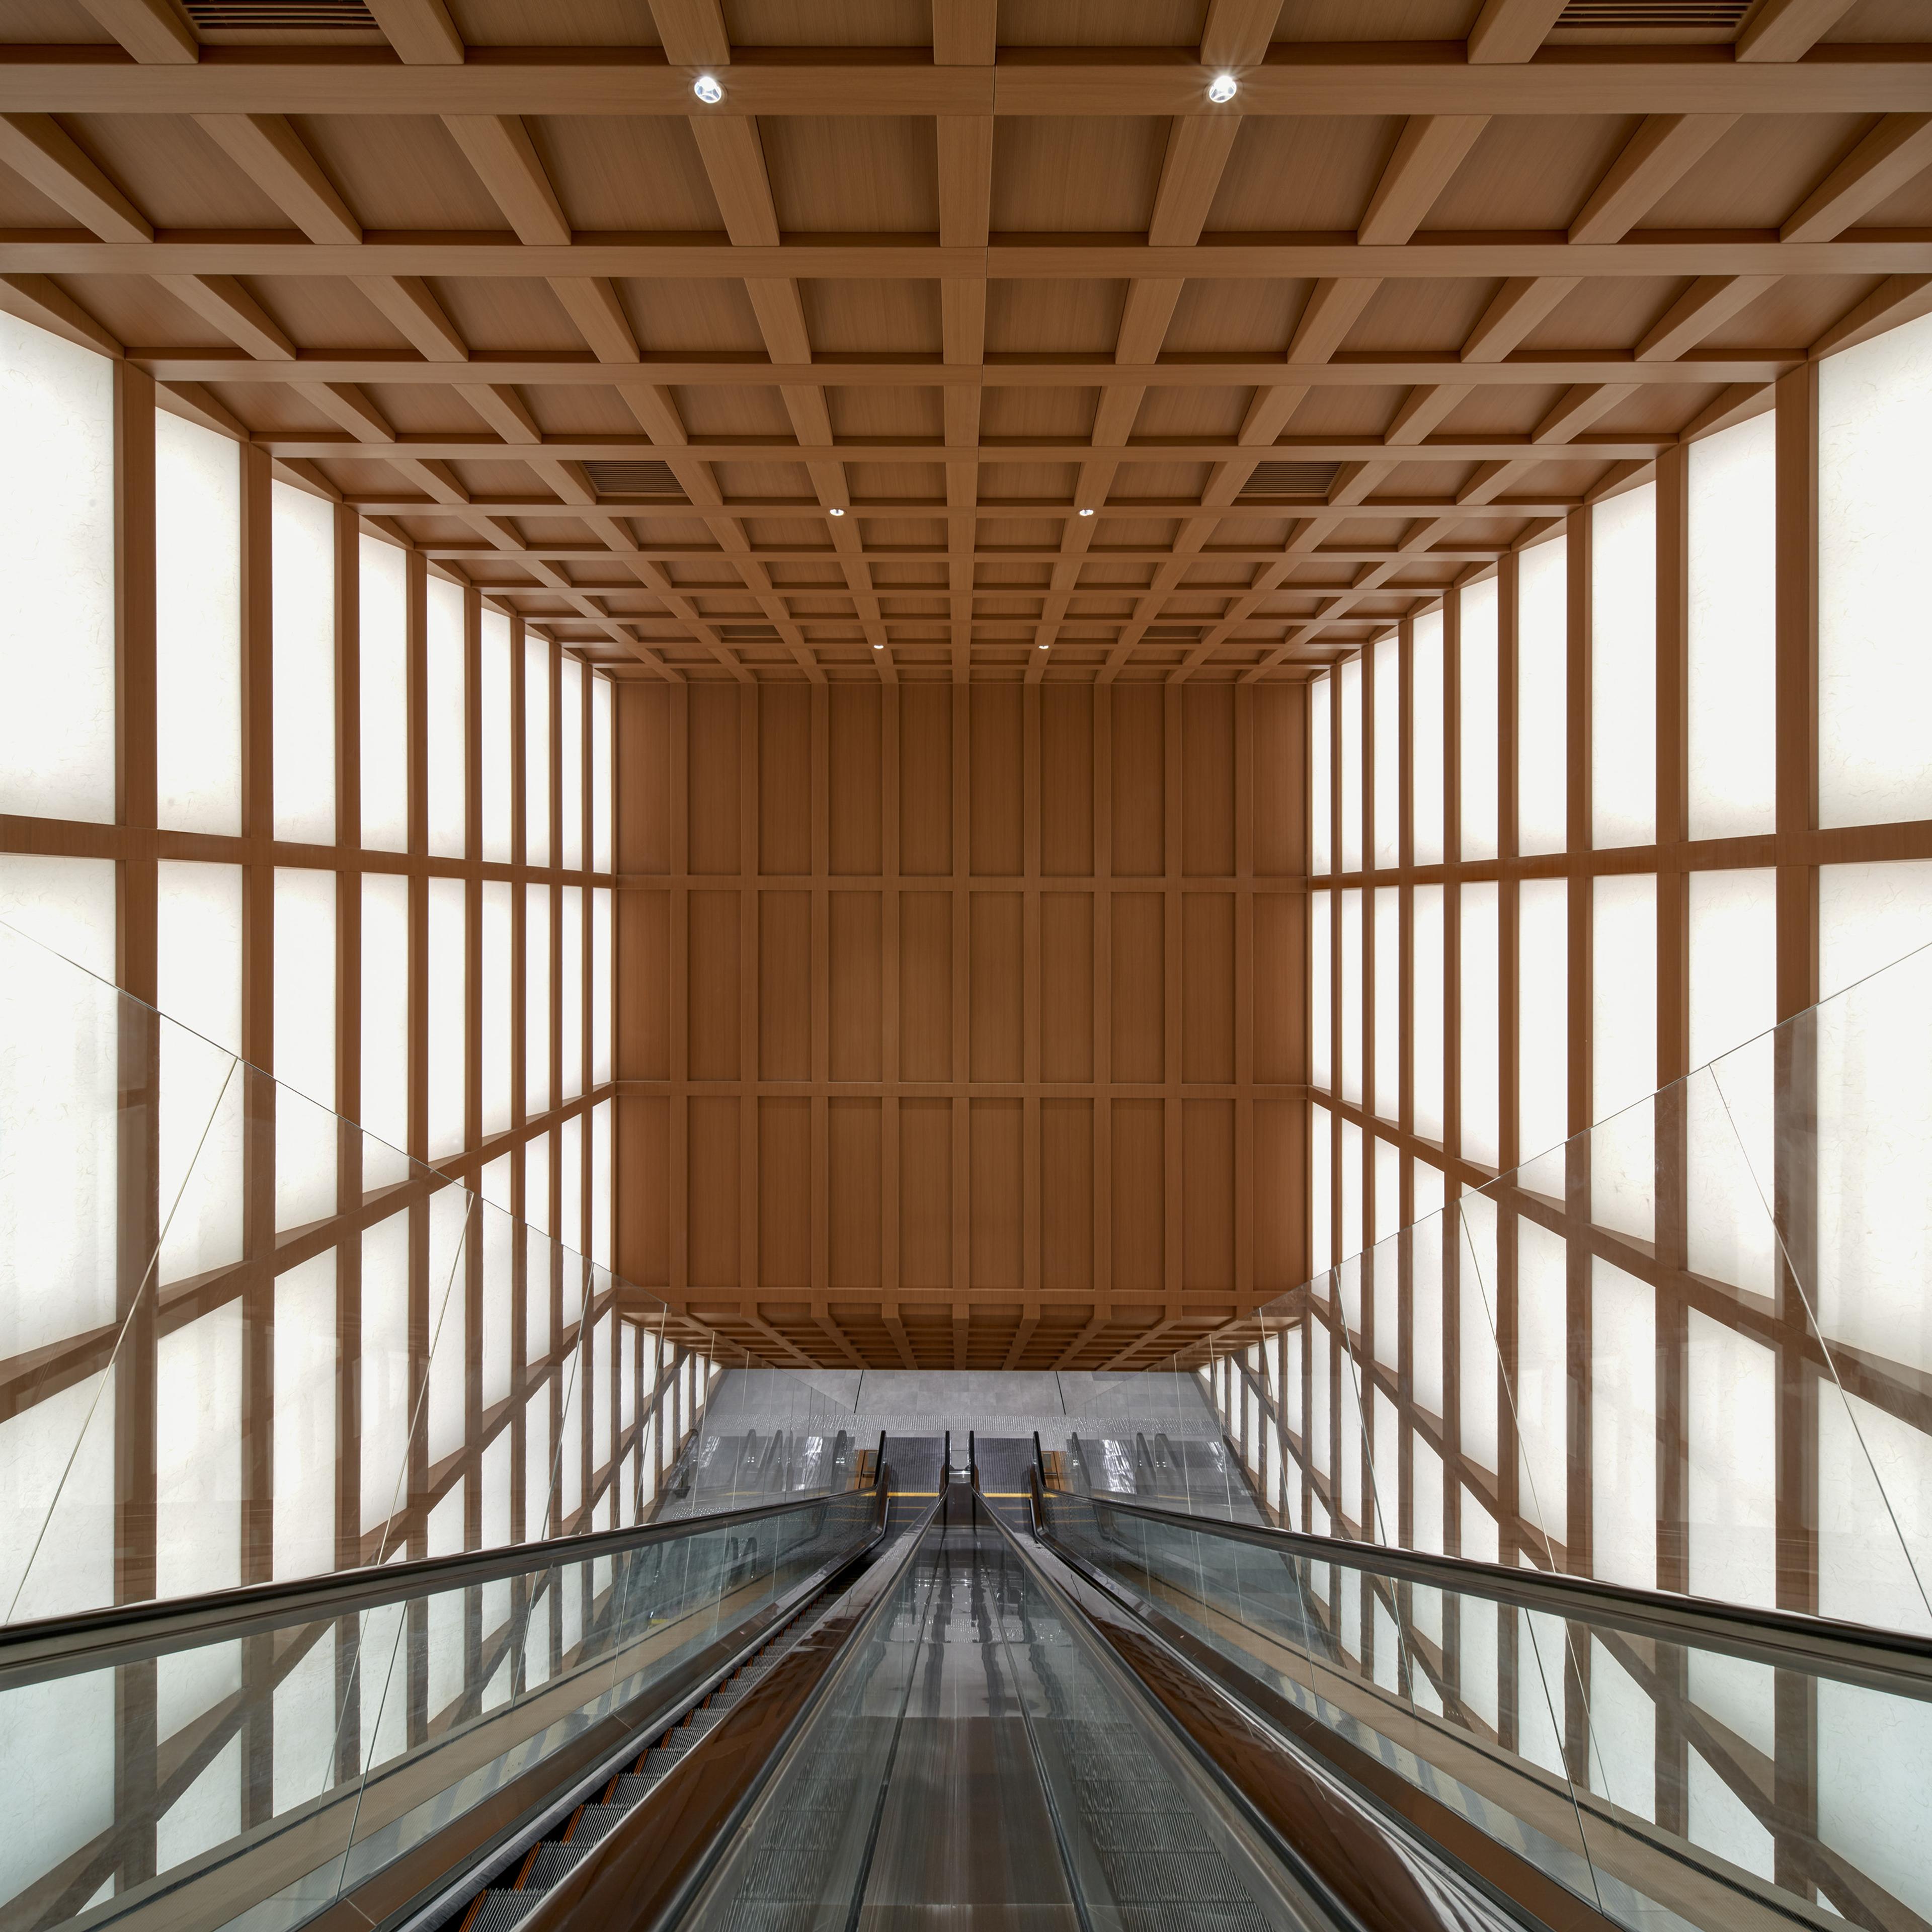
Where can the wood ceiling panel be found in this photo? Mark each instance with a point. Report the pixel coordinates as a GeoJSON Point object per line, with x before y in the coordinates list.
{"type": "Point", "coordinates": [876, 175]}
{"type": "Point", "coordinates": [399, 172]}
{"type": "Point", "coordinates": [1759, 172]}
{"type": "Point", "coordinates": [639, 172]}
{"type": "Point", "coordinates": [1292, 176]}
{"type": "Point", "coordinates": [528, 23]}
{"type": "Point", "coordinates": [1085, 174]}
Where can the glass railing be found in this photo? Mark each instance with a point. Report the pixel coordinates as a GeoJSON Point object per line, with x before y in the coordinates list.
{"type": "Point", "coordinates": [1615, 1743]}
{"type": "Point", "coordinates": [243, 1341]}
{"type": "Point", "coordinates": [1689, 1350]}
{"type": "Point", "coordinates": [358, 1740]}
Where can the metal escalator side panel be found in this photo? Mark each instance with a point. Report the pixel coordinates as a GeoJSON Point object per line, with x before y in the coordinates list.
{"type": "Point", "coordinates": [1370, 1872]}
{"type": "Point", "coordinates": [650, 1871]}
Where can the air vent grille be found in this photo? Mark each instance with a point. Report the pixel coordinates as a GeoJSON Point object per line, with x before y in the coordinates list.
{"type": "Point", "coordinates": [1658, 15]}
{"type": "Point", "coordinates": [269, 16]}
{"type": "Point", "coordinates": [1291, 479]}
{"type": "Point", "coordinates": [624, 478]}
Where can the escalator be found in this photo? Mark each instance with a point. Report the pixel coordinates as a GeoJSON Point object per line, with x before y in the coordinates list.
{"type": "Point", "coordinates": [949, 1696]}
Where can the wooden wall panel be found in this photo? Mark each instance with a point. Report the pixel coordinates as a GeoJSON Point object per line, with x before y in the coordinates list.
{"type": "Point", "coordinates": [963, 1026]}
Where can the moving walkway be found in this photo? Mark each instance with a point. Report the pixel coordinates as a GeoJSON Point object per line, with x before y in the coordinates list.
{"type": "Point", "coordinates": [955, 1693]}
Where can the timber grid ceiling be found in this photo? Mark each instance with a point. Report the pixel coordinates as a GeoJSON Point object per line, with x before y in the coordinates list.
{"type": "Point", "coordinates": [822, 378]}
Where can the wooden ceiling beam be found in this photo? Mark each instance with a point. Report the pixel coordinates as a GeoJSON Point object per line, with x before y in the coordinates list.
{"type": "Point", "coordinates": [268, 151]}
{"type": "Point", "coordinates": [1580, 406]}
{"type": "Point", "coordinates": [1428, 151]}
{"type": "Point", "coordinates": [1007, 258]}
{"type": "Point", "coordinates": [499, 147]}
{"type": "Point", "coordinates": [1514, 312]}
{"type": "Point", "coordinates": [412, 308]}
{"type": "Point", "coordinates": [1333, 307]}
{"type": "Point", "coordinates": [1655, 158]}
{"type": "Point", "coordinates": [1897, 149]}
{"type": "Point", "coordinates": [1423, 408]}
{"type": "Point", "coordinates": [1148, 307]}
{"type": "Point", "coordinates": [420, 31]}
{"type": "Point", "coordinates": [1236, 33]}
{"type": "Point", "coordinates": [151, 30]}
{"type": "Point", "coordinates": [44, 303]}
{"type": "Point", "coordinates": [1707, 304]}
{"type": "Point", "coordinates": [221, 300]}
{"type": "Point", "coordinates": [42, 152]}
{"type": "Point", "coordinates": [1112, 81]}
{"type": "Point", "coordinates": [1512, 30]}
{"type": "Point", "coordinates": [1787, 30]}
{"type": "Point", "coordinates": [1898, 299]}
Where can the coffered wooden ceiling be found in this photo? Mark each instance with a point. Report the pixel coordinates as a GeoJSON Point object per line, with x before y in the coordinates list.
{"type": "Point", "coordinates": [491, 271]}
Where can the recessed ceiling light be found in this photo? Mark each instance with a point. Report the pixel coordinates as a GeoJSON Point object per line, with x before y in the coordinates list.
{"type": "Point", "coordinates": [1086, 513]}
{"type": "Point", "coordinates": [1220, 89]}
{"type": "Point", "coordinates": [836, 510]}
{"type": "Point", "coordinates": [1043, 647]}
{"type": "Point", "coordinates": [878, 647]}
{"type": "Point", "coordinates": [710, 90]}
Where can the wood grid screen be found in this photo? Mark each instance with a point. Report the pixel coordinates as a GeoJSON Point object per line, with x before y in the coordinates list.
{"type": "Point", "coordinates": [960, 1026]}
{"type": "Point", "coordinates": [1597, 819]}
{"type": "Point", "coordinates": [334, 814]}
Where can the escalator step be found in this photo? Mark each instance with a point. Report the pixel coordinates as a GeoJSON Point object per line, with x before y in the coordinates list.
{"type": "Point", "coordinates": [593, 1822]}
{"type": "Point", "coordinates": [551, 1863]}
{"type": "Point", "coordinates": [632, 1786]}
{"type": "Point", "coordinates": [498, 1911]}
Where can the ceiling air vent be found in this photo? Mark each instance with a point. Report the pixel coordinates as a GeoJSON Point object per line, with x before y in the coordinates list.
{"type": "Point", "coordinates": [619, 478]}
{"type": "Point", "coordinates": [1656, 15]}
{"type": "Point", "coordinates": [1291, 479]}
{"type": "Point", "coordinates": [269, 16]}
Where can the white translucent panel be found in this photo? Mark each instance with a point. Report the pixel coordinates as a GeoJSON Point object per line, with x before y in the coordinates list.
{"type": "Point", "coordinates": [536, 998]}
{"type": "Point", "coordinates": [499, 1238]}
{"type": "Point", "coordinates": [1623, 669]}
{"type": "Point", "coordinates": [497, 1183]}
{"type": "Point", "coordinates": [1481, 1686]}
{"type": "Point", "coordinates": [1875, 1515]}
{"type": "Point", "coordinates": [198, 1455]}
{"type": "Point", "coordinates": [1541, 1659]}
{"type": "Point", "coordinates": [536, 750]}
{"type": "Point", "coordinates": [386, 1007]}
{"type": "Point", "coordinates": [1728, 1133]}
{"type": "Point", "coordinates": [1425, 1010]}
{"type": "Point", "coordinates": [306, 1141]}
{"type": "Point", "coordinates": [197, 628]}
{"type": "Point", "coordinates": [1321, 748]}
{"type": "Point", "coordinates": [1733, 959]}
{"type": "Point", "coordinates": [57, 1488]}
{"type": "Point", "coordinates": [1479, 1034]}
{"type": "Point", "coordinates": [1874, 1164]}
{"type": "Point", "coordinates": [450, 1219]}
{"type": "Point", "coordinates": [382, 1671]}
{"type": "Point", "coordinates": [536, 1183]}
{"type": "Point", "coordinates": [1741, 1696]}
{"type": "Point", "coordinates": [1623, 1171]}
{"type": "Point", "coordinates": [1721, 1822]}
{"type": "Point", "coordinates": [1542, 709]}
{"type": "Point", "coordinates": [385, 1380]}
{"type": "Point", "coordinates": [498, 950]}
{"type": "Point", "coordinates": [1542, 1383]}
{"type": "Point", "coordinates": [570, 761]}
{"type": "Point", "coordinates": [1623, 1426]}
{"type": "Point", "coordinates": [1320, 990]}
{"type": "Point", "coordinates": [599, 1247]}
{"type": "Point", "coordinates": [306, 1366]}
{"type": "Point", "coordinates": [208, 1813]}
{"type": "Point", "coordinates": [445, 735]}
{"type": "Point", "coordinates": [1388, 1211]}
{"type": "Point", "coordinates": [384, 675]}
{"type": "Point", "coordinates": [537, 1331]}
{"type": "Point", "coordinates": [57, 646]}
{"type": "Point", "coordinates": [498, 800]}
{"type": "Point", "coordinates": [1543, 1014]}
{"type": "Point", "coordinates": [1427, 1185]}
{"type": "Point", "coordinates": [539, 1467]}
{"type": "Point", "coordinates": [1348, 695]}
{"type": "Point", "coordinates": [188, 1684]}
{"type": "Point", "coordinates": [305, 1711]}
{"type": "Point", "coordinates": [1624, 1018]}
{"type": "Point", "coordinates": [58, 1774]}
{"type": "Point", "coordinates": [497, 1492]}
{"type": "Point", "coordinates": [1321, 1190]}
{"type": "Point", "coordinates": [603, 768]}
{"type": "Point", "coordinates": [446, 1064]}
{"type": "Point", "coordinates": [1388, 1001]}
{"type": "Point", "coordinates": [305, 982]}
{"type": "Point", "coordinates": [1477, 654]}
{"type": "Point", "coordinates": [1732, 646]}
{"type": "Point", "coordinates": [1426, 745]}
{"type": "Point", "coordinates": [1874, 634]}
{"type": "Point", "coordinates": [1476, 1302]}
{"type": "Point", "coordinates": [1426, 1513]}
{"type": "Point", "coordinates": [68, 906]}
{"type": "Point", "coordinates": [570, 989]}
{"type": "Point", "coordinates": [1874, 1769]}
{"type": "Point", "coordinates": [1870, 915]}
{"type": "Point", "coordinates": [600, 985]}
{"type": "Point", "coordinates": [1731, 1397]}
{"type": "Point", "coordinates": [1425, 1263]}
{"type": "Point", "coordinates": [602, 1371]}
{"type": "Point", "coordinates": [303, 575]}
{"type": "Point", "coordinates": [1350, 990]}
{"type": "Point", "coordinates": [199, 983]}
{"type": "Point", "coordinates": [570, 1183]}
{"type": "Point", "coordinates": [1623, 1734]}
{"type": "Point", "coordinates": [1388, 779]}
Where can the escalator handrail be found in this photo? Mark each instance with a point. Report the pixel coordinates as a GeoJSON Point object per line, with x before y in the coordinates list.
{"type": "Point", "coordinates": [93, 1640]}
{"type": "Point", "coordinates": [1857, 1653]}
